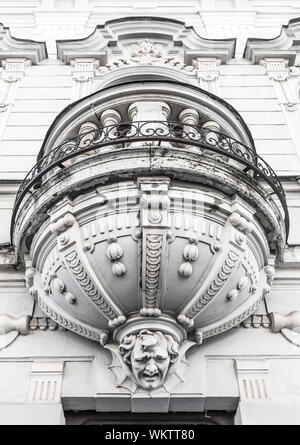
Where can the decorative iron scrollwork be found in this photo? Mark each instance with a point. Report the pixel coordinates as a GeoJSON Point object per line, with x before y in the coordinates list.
{"type": "Point", "coordinates": [124, 134]}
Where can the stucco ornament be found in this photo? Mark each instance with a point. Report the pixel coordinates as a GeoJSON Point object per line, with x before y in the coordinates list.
{"type": "Point", "coordinates": [145, 49]}
{"type": "Point", "coordinates": [146, 52]}
{"type": "Point", "coordinates": [150, 252]}
{"type": "Point", "coordinates": [149, 355]}
{"type": "Point", "coordinates": [149, 361]}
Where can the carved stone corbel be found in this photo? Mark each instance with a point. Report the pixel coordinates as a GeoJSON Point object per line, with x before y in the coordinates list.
{"type": "Point", "coordinates": [150, 359]}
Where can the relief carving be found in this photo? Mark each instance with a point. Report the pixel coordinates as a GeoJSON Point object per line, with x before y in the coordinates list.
{"type": "Point", "coordinates": [147, 335]}
{"type": "Point", "coordinates": [149, 360]}
{"type": "Point", "coordinates": [149, 355]}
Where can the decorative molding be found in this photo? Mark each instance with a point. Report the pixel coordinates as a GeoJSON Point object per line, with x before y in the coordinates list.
{"type": "Point", "coordinates": [68, 322]}
{"type": "Point", "coordinates": [221, 327]}
{"type": "Point", "coordinates": [82, 277]}
{"type": "Point", "coordinates": [257, 321]}
{"type": "Point", "coordinates": [114, 252]}
{"type": "Point", "coordinates": [222, 277]}
{"type": "Point", "coordinates": [142, 60]}
{"type": "Point", "coordinates": [154, 224]}
{"type": "Point", "coordinates": [178, 40]}
{"type": "Point", "coordinates": [154, 243]}
{"type": "Point", "coordinates": [45, 382]}
{"type": "Point", "coordinates": [70, 248]}
{"type": "Point", "coordinates": [11, 47]}
{"type": "Point", "coordinates": [253, 379]}
{"type": "Point", "coordinates": [190, 254]}
{"type": "Point", "coordinates": [285, 46]}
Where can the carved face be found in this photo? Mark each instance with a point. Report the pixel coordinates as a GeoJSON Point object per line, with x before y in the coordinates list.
{"type": "Point", "coordinates": [149, 355]}
{"type": "Point", "coordinates": [150, 361]}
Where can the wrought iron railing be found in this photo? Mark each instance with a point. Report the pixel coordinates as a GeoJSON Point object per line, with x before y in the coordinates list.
{"type": "Point", "coordinates": [123, 135]}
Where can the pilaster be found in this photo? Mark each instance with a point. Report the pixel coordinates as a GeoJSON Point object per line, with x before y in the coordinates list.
{"type": "Point", "coordinates": [277, 69]}
{"type": "Point", "coordinates": [13, 71]}
{"type": "Point", "coordinates": [208, 73]}
{"type": "Point", "coordinates": [83, 75]}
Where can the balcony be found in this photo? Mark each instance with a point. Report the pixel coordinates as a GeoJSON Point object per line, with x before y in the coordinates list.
{"type": "Point", "coordinates": [179, 135]}
{"type": "Point", "coordinates": [149, 217]}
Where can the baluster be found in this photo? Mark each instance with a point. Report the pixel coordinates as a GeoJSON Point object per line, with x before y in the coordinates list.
{"type": "Point", "coordinates": [110, 119]}
{"type": "Point", "coordinates": [211, 137]}
{"type": "Point", "coordinates": [149, 111]}
{"type": "Point", "coordinates": [190, 118]}
{"type": "Point", "coordinates": [86, 135]}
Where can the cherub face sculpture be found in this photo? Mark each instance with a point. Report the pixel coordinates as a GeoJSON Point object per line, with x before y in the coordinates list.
{"type": "Point", "coordinates": [149, 355]}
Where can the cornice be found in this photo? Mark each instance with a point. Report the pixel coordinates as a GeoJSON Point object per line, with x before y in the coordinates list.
{"type": "Point", "coordinates": [112, 36]}
{"type": "Point", "coordinates": [12, 47]}
{"type": "Point", "coordinates": [286, 45]}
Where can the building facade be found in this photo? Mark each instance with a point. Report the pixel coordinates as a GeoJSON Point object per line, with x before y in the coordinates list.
{"type": "Point", "coordinates": [150, 199]}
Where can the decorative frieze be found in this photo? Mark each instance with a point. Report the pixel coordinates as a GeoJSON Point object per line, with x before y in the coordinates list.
{"type": "Point", "coordinates": [128, 45]}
